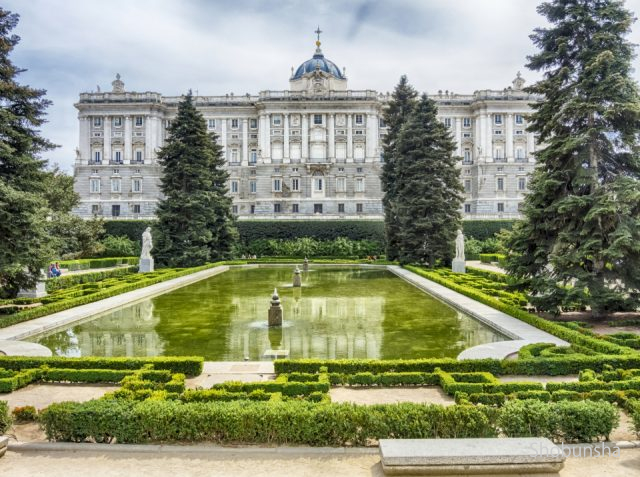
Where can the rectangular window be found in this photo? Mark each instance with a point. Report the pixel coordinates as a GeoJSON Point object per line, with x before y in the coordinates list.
{"type": "Point", "coordinates": [295, 184]}
{"type": "Point", "coordinates": [97, 156]}
{"type": "Point", "coordinates": [500, 185]}
{"type": "Point", "coordinates": [499, 153]}
{"type": "Point", "coordinates": [500, 206]}
{"type": "Point", "coordinates": [359, 184]}
{"type": "Point", "coordinates": [276, 208]}
{"type": "Point", "coordinates": [277, 120]}
{"type": "Point", "coordinates": [317, 119]}
{"type": "Point", "coordinates": [211, 123]}
{"type": "Point", "coordinates": [117, 156]}
{"type": "Point", "coordinates": [467, 208]}
{"type": "Point", "coordinates": [466, 122]}
{"type": "Point", "coordinates": [136, 186]}
{"type": "Point", "coordinates": [359, 208]}
{"type": "Point", "coordinates": [519, 132]}
{"type": "Point", "coordinates": [234, 155]}
{"type": "Point", "coordinates": [467, 156]}
{"type": "Point", "coordinates": [497, 119]}
{"type": "Point", "coordinates": [341, 208]}
{"type": "Point", "coordinates": [381, 123]}
{"type": "Point", "coordinates": [116, 171]}
{"type": "Point", "coordinates": [116, 185]}
{"type": "Point", "coordinates": [317, 208]}
{"type": "Point", "coordinates": [519, 119]}
{"type": "Point", "coordinates": [341, 184]}
{"type": "Point", "coordinates": [467, 185]}
{"type": "Point", "coordinates": [136, 208]}
{"type": "Point", "coordinates": [95, 209]}
{"type": "Point", "coordinates": [117, 121]}
{"type": "Point", "coordinates": [447, 122]}
{"type": "Point", "coordinates": [95, 186]}
{"type": "Point", "coordinates": [97, 122]}
{"type": "Point", "coordinates": [234, 124]}
{"type": "Point", "coordinates": [253, 209]}
{"type": "Point", "coordinates": [139, 121]}
{"type": "Point", "coordinates": [253, 123]}
{"type": "Point", "coordinates": [295, 208]}
{"type": "Point", "coordinates": [519, 153]}
{"type": "Point", "coordinates": [94, 171]}
{"type": "Point", "coordinates": [359, 170]}
{"type": "Point", "coordinates": [277, 185]}
{"type": "Point", "coordinates": [253, 187]}
{"type": "Point", "coordinates": [359, 119]}
{"type": "Point", "coordinates": [234, 209]}
{"type": "Point", "coordinates": [234, 187]}
{"type": "Point", "coordinates": [253, 156]}
{"type": "Point", "coordinates": [115, 211]}
{"type": "Point", "coordinates": [522, 183]}
{"type": "Point", "coordinates": [138, 156]}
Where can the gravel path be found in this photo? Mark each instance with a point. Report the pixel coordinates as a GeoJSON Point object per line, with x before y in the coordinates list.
{"type": "Point", "coordinates": [431, 395]}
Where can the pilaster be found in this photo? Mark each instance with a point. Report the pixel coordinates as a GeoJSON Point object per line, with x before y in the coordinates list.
{"type": "Point", "coordinates": [245, 142]}
{"type": "Point", "coordinates": [106, 121]}
{"type": "Point", "coordinates": [509, 138]}
{"type": "Point", "coordinates": [128, 150]}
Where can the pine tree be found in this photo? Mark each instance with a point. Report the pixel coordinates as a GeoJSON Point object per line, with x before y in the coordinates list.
{"type": "Point", "coordinates": [24, 243]}
{"type": "Point", "coordinates": [402, 102]}
{"type": "Point", "coordinates": [429, 193]}
{"type": "Point", "coordinates": [579, 243]}
{"type": "Point", "coordinates": [195, 224]}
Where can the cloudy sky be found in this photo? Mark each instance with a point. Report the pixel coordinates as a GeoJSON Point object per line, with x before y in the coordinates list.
{"type": "Point", "coordinates": [245, 46]}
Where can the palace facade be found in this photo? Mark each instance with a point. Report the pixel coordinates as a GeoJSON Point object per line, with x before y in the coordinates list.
{"type": "Point", "coordinates": [312, 151]}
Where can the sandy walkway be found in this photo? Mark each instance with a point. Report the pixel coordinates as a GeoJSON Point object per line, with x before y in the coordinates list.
{"type": "Point", "coordinates": [431, 395]}
{"type": "Point", "coordinates": [70, 464]}
{"type": "Point", "coordinates": [41, 395]}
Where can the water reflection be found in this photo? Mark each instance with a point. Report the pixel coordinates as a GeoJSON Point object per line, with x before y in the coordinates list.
{"type": "Point", "coordinates": [338, 313]}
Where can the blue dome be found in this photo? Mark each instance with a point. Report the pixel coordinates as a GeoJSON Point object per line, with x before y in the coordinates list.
{"type": "Point", "coordinates": [320, 62]}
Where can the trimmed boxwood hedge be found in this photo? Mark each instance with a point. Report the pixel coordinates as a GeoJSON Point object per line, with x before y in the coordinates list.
{"type": "Point", "coordinates": [251, 230]}
{"type": "Point", "coordinates": [484, 229]}
{"type": "Point", "coordinates": [88, 263]}
{"type": "Point", "coordinates": [132, 229]}
{"type": "Point", "coordinates": [66, 281]}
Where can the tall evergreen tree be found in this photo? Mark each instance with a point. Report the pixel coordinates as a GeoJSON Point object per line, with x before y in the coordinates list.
{"type": "Point", "coordinates": [428, 189]}
{"type": "Point", "coordinates": [580, 240]}
{"type": "Point", "coordinates": [195, 223]}
{"type": "Point", "coordinates": [402, 102]}
{"type": "Point", "coordinates": [24, 243]}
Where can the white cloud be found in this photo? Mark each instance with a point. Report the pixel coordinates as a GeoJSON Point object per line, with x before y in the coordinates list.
{"type": "Point", "coordinates": [216, 47]}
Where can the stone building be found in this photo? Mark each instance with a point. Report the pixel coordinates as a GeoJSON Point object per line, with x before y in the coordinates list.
{"type": "Point", "coordinates": [312, 151]}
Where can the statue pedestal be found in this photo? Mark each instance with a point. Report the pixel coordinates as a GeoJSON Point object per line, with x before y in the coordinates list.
{"type": "Point", "coordinates": [38, 292]}
{"type": "Point", "coordinates": [458, 266]}
{"type": "Point", "coordinates": [275, 316]}
{"type": "Point", "coordinates": [145, 265]}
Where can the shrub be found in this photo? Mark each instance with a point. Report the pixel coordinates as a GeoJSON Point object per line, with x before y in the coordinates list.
{"type": "Point", "coordinates": [633, 407]}
{"type": "Point", "coordinates": [120, 246]}
{"type": "Point", "coordinates": [310, 247]}
{"type": "Point", "coordinates": [251, 230]}
{"type": "Point", "coordinates": [67, 281]}
{"type": "Point", "coordinates": [132, 229]}
{"type": "Point", "coordinates": [25, 414]}
{"type": "Point", "coordinates": [5, 417]}
{"type": "Point", "coordinates": [484, 229]}
{"type": "Point", "coordinates": [88, 263]}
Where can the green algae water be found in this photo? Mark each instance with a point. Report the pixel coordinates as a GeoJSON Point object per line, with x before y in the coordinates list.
{"type": "Point", "coordinates": [338, 313]}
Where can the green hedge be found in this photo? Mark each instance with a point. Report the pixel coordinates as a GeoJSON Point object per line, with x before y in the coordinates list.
{"type": "Point", "coordinates": [18, 380]}
{"type": "Point", "coordinates": [66, 281]}
{"type": "Point", "coordinates": [290, 422]}
{"type": "Point", "coordinates": [156, 277]}
{"type": "Point", "coordinates": [492, 257]}
{"type": "Point", "coordinates": [189, 365]}
{"type": "Point", "coordinates": [251, 230]}
{"type": "Point", "coordinates": [5, 417]}
{"type": "Point", "coordinates": [130, 228]}
{"type": "Point", "coordinates": [572, 336]}
{"type": "Point", "coordinates": [565, 421]}
{"type": "Point", "coordinates": [484, 229]}
{"type": "Point", "coordinates": [633, 407]}
{"type": "Point", "coordinates": [88, 263]}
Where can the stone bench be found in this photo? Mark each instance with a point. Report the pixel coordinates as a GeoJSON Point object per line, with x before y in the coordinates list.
{"type": "Point", "coordinates": [456, 457]}
{"type": "Point", "coordinates": [4, 441]}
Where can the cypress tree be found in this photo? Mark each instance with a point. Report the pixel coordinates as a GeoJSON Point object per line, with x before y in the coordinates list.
{"type": "Point", "coordinates": [429, 193]}
{"type": "Point", "coordinates": [579, 243]}
{"type": "Point", "coordinates": [195, 223]}
{"type": "Point", "coordinates": [25, 247]}
{"type": "Point", "coordinates": [402, 102]}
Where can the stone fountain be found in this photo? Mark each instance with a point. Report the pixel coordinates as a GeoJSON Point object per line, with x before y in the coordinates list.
{"type": "Point", "coordinates": [275, 312]}
{"type": "Point", "coordinates": [305, 265]}
{"type": "Point", "coordinates": [297, 278]}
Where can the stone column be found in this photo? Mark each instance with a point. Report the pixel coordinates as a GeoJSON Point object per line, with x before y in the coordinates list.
{"type": "Point", "coordinates": [477, 142]}
{"type": "Point", "coordinates": [261, 129]}
{"type": "Point", "coordinates": [106, 120]}
{"type": "Point", "coordinates": [305, 137]}
{"type": "Point", "coordinates": [369, 138]}
{"type": "Point", "coordinates": [530, 146]}
{"type": "Point", "coordinates": [148, 147]}
{"type": "Point", "coordinates": [245, 142]}
{"type": "Point", "coordinates": [459, 136]}
{"type": "Point", "coordinates": [485, 132]}
{"type": "Point", "coordinates": [349, 138]}
{"type": "Point", "coordinates": [223, 137]}
{"type": "Point", "coordinates": [268, 137]}
{"type": "Point", "coordinates": [128, 150]}
{"type": "Point", "coordinates": [509, 138]}
{"type": "Point", "coordinates": [154, 136]}
{"type": "Point", "coordinates": [84, 143]}
{"type": "Point", "coordinates": [285, 146]}
{"type": "Point", "coordinates": [331, 134]}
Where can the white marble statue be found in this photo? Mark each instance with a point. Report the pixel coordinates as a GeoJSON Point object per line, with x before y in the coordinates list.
{"type": "Point", "coordinates": [147, 244]}
{"type": "Point", "coordinates": [460, 246]}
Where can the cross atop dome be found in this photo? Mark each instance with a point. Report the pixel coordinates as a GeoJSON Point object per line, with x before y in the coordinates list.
{"type": "Point", "coordinates": [317, 32]}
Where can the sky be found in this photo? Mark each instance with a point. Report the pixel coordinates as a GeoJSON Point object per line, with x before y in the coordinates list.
{"type": "Point", "coordinates": [215, 47]}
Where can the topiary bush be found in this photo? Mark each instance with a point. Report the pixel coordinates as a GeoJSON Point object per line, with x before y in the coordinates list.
{"type": "Point", "coordinates": [5, 417]}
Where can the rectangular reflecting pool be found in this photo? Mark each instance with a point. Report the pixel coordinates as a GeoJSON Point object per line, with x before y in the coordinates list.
{"type": "Point", "coordinates": [339, 312]}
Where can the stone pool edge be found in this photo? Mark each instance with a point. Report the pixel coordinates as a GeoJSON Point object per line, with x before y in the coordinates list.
{"type": "Point", "coordinates": [521, 333]}
{"type": "Point", "coordinates": [48, 323]}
